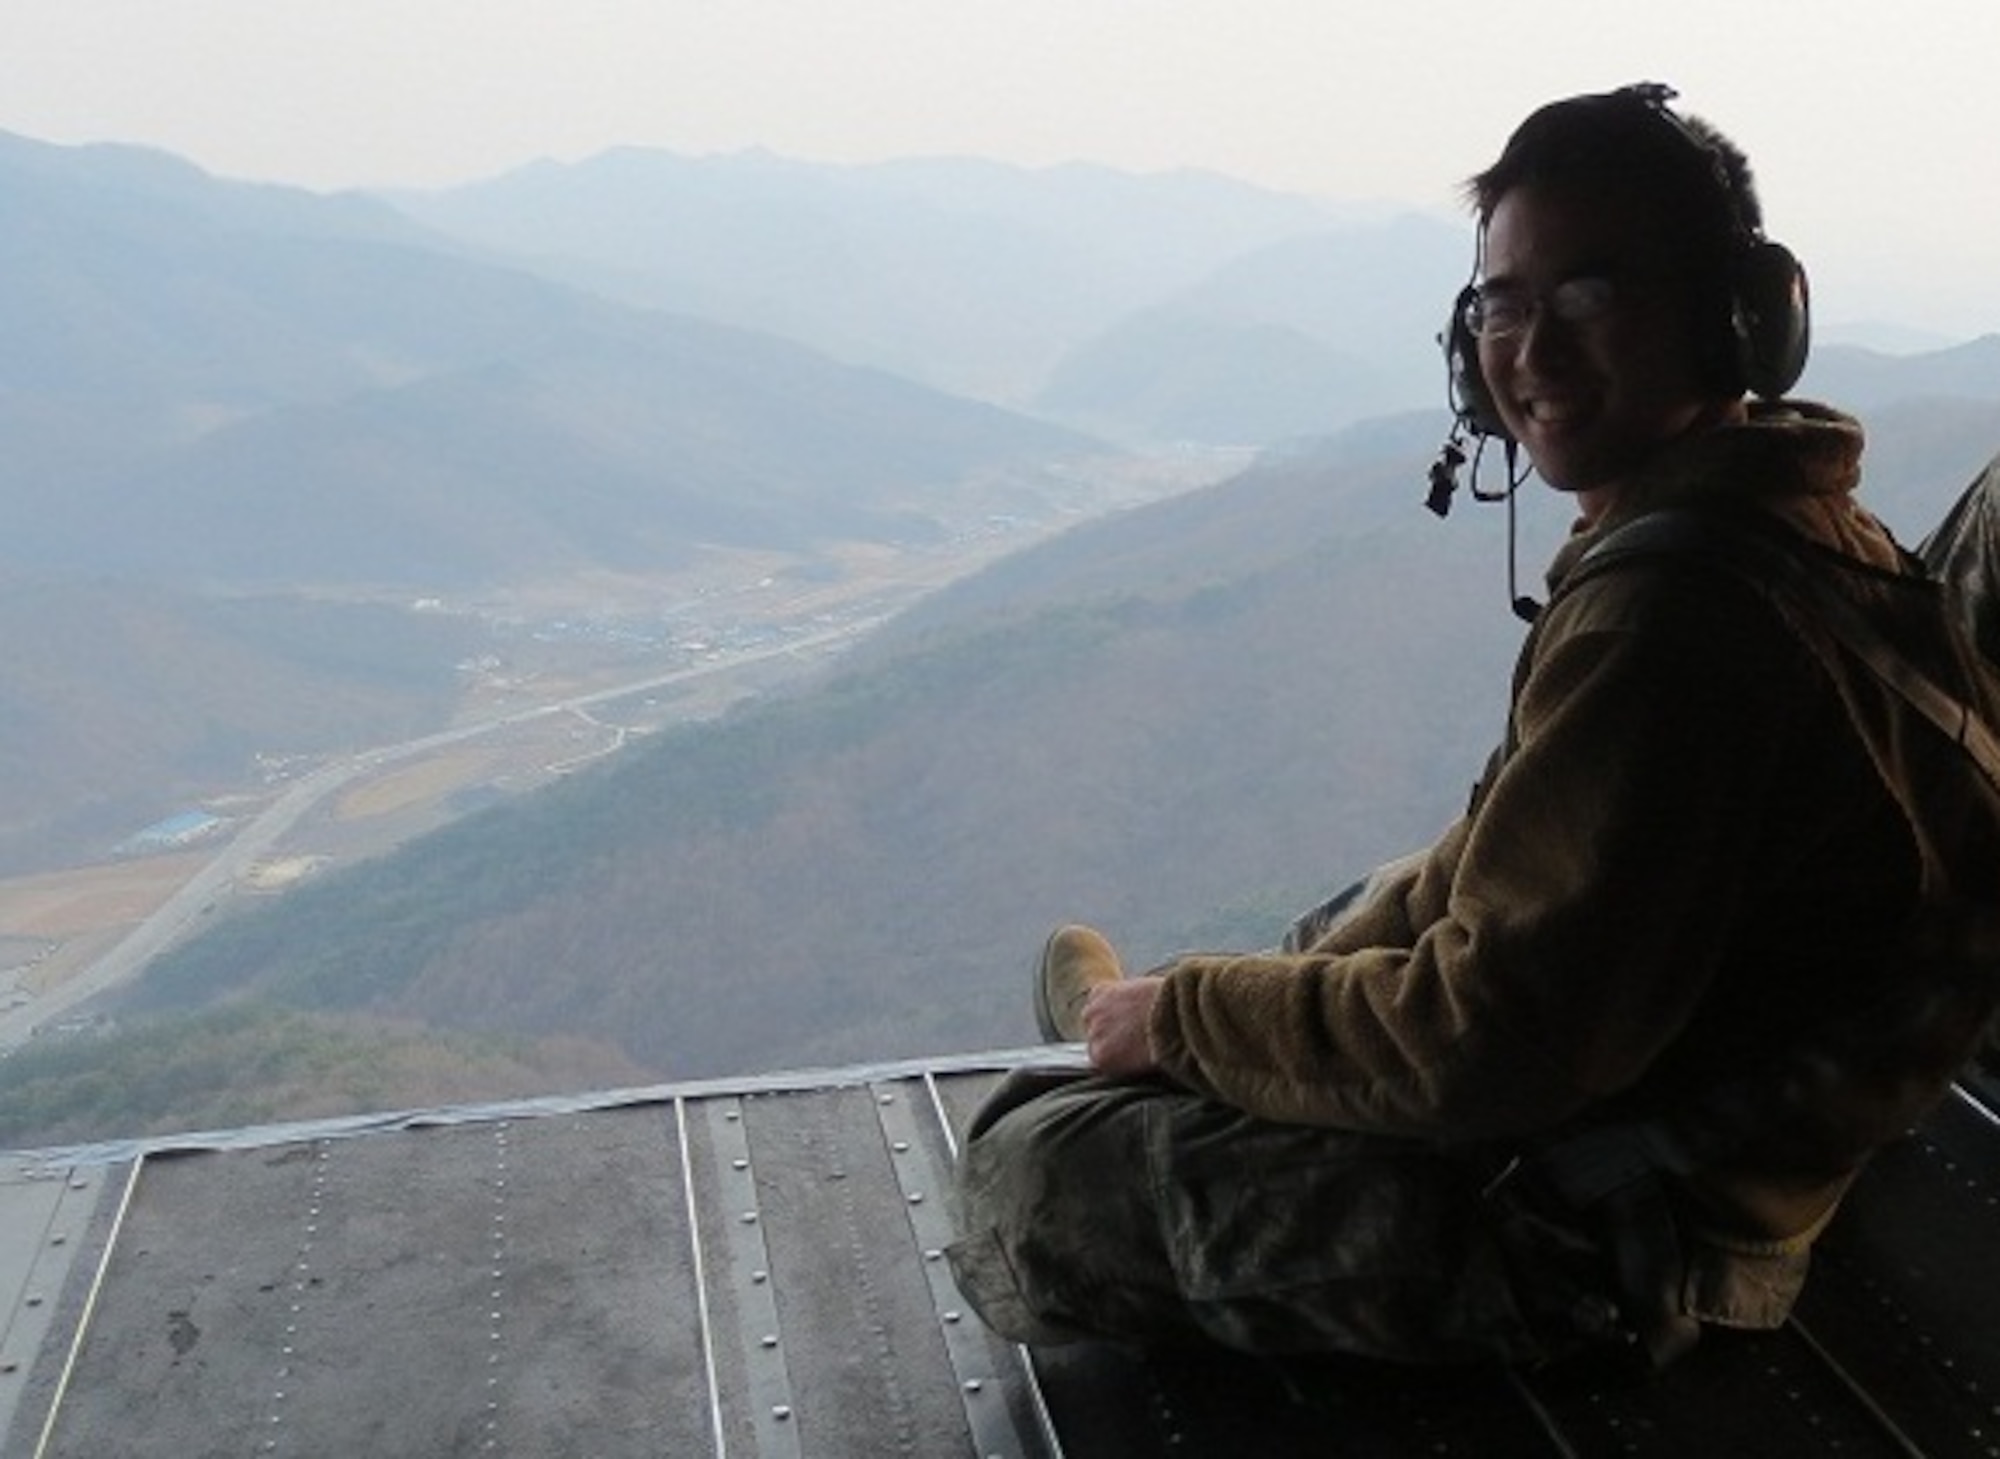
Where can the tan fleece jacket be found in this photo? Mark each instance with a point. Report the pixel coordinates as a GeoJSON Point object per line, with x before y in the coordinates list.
{"type": "Point", "coordinates": [1685, 887]}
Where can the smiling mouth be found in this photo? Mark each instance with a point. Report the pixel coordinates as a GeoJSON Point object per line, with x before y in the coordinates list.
{"type": "Point", "coordinates": [1555, 410]}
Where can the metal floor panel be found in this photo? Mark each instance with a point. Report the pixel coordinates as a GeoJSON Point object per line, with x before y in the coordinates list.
{"type": "Point", "coordinates": [716, 1272]}
{"type": "Point", "coordinates": [1906, 1296]}
{"type": "Point", "coordinates": [754, 1269]}
{"type": "Point", "coordinates": [502, 1288]}
{"type": "Point", "coordinates": [47, 1225]}
{"type": "Point", "coordinates": [835, 1325]}
{"type": "Point", "coordinates": [1119, 1403]}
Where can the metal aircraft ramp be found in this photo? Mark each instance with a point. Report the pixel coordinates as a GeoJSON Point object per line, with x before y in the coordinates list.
{"type": "Point", "coordinates": [751, 1269]}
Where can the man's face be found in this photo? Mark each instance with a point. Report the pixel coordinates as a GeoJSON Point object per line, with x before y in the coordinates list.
{"type": "Point", "coordinates": [1592, 396]}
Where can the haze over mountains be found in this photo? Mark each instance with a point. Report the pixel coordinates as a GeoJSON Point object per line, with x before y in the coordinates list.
{"type": "Point", "coordinates": [250, 427]}
{"type": "Point", "coordinates": [1176, 306]}
{"type": "Point", "coordinates": [232, 389]}
{"type": "Point", "coordinates": [218, 384]}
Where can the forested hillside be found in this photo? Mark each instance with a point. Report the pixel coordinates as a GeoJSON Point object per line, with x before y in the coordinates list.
{"type": "Point", "coordinates": [860, 870]}
{"type": "Point", "coordinates": [1182, 724]}
{"type": "Point", "coordinates": [119, 701]}
{"type": "Point", "coordinates": [277, 461]}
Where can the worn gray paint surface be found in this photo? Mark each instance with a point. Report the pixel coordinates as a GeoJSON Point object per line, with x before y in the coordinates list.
{"type": "Point", "coordinates": [725, 1270]}
{"type": "Point", "coordinates": [751, 1268]}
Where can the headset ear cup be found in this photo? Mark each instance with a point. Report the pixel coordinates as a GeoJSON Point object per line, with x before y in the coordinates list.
{"type": "Point", "coordinates": [1471, 400]}
{"type": "Point", "coordinates": [1771, 318]}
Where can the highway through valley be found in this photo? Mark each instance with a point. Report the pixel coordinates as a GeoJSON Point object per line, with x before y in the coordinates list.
{"type": "Point", "coordinates": [261, 835]}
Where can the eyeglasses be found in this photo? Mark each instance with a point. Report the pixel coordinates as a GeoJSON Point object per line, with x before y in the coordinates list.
{"type": "Point", "coordinates": [1501, 312]}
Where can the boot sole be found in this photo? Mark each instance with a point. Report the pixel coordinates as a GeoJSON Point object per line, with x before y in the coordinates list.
{"type": "Point", "coordinates": [1045, 1018]}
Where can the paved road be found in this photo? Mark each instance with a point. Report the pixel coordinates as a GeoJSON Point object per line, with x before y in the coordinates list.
{"type": "Point", "coordinates": [263, 832]}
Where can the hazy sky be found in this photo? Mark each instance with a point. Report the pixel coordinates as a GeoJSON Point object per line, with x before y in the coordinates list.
{"type": "Point", "coordinates": [1874, 125]}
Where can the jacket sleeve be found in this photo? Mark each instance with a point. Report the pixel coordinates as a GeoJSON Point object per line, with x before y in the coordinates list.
{"type": "Point", "coordinates": [1554, 941]}
{"type": "Point", "coordinates": [1401, 898]}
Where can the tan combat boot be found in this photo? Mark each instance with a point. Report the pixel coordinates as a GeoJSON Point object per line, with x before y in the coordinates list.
{"type": "Point", "coordinates": [1074, 960]}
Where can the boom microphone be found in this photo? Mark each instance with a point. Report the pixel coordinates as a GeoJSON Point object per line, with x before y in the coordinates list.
{"type": "Point", "coordinates": [1444, 474]}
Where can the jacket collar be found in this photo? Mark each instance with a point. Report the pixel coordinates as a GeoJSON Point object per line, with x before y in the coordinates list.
{"type": "Point", "coordinates": [1798, 461]}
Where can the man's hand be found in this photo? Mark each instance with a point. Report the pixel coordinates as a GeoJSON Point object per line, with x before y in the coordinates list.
{"type": "Point", "coordinates": [1115, 1020]}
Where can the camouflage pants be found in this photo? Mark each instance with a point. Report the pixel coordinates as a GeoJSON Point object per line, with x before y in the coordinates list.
{"type": "Point", "coordinates": [1136, 1210]}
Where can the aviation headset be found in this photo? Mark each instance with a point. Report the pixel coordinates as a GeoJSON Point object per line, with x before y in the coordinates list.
{"type": "Point", "coordinates": [1757, 337]}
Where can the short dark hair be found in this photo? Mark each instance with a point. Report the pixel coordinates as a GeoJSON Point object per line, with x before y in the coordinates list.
{"type": "Point", "coordinates": [1629, 141]}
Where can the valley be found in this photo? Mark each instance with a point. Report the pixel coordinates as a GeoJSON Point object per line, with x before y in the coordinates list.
{"type": "Point", "coordinates": [368, 514]}
{"type": "Point", "coordinates": [579, 669]}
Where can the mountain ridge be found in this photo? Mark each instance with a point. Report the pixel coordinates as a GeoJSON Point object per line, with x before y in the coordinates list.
{"type": "Point", "coordinates": [971, 276]}
{"type": "Point", "coordinates": [1181, 720]}
{"type": "Point", "coordinates": [140, 339]}
{"type": "Point", "coordinates": [1274, 683]}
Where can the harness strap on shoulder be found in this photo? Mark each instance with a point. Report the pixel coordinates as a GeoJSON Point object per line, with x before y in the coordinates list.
{"type": "Point", "coordinates": [1767, 565]}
